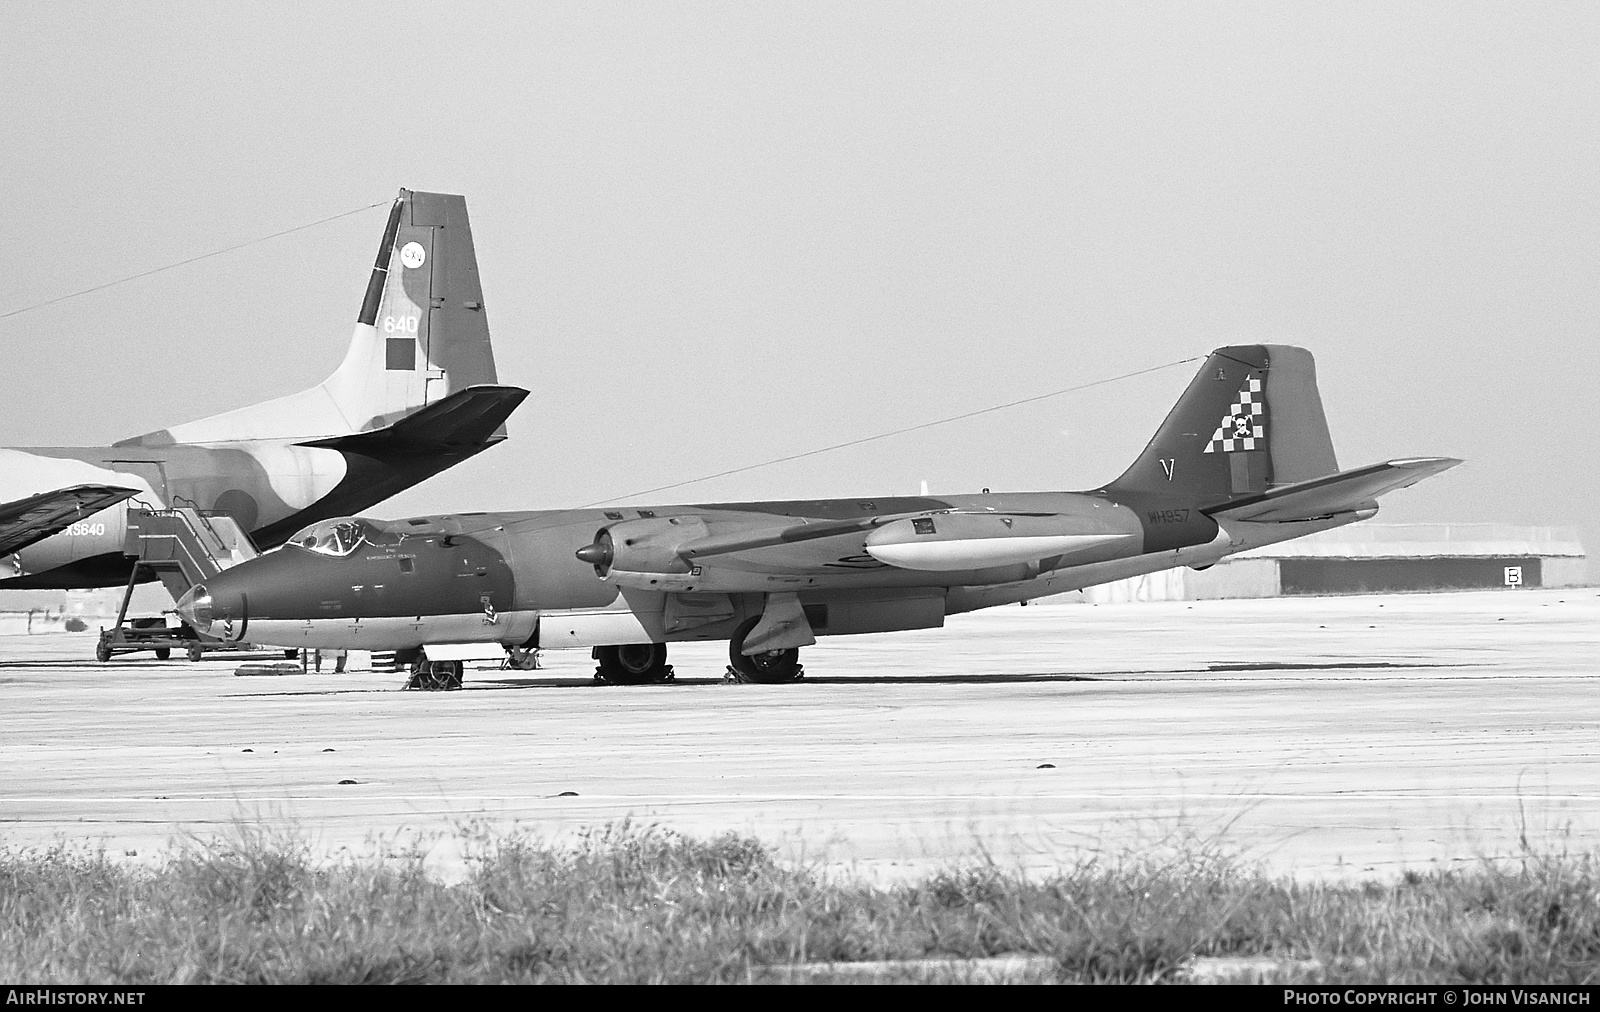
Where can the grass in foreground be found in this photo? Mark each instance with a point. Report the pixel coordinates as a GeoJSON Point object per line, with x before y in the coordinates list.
{"type": "Point", "coordinates": [633, 905]}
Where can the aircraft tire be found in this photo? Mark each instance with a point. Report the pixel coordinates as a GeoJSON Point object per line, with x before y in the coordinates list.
{"type": "Point", "coordinates": [774, 667]}
{"type": "Point", "coordinates": [435, 676]}
{"type": "Point", "coordinates": [102, 651]}
{"type": "Point", "coordinates": [632, 664]}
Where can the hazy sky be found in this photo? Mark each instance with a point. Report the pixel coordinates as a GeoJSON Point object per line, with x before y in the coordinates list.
{"type": "Point", "coordinates": [714, 234]}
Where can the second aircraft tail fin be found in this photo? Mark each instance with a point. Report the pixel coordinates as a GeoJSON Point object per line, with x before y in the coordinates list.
{"type": "Point", "coordinates": [422, 334]}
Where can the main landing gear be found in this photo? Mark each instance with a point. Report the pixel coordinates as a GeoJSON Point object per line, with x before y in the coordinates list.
{"type": "Point", "coordinates": [632, 664]}
{"type": "Point", "coordinates": [646, 663]}
{"type": "Point", "coordinates": [435, 675]}
{"type": "Point", "coordinates": [770, 667]}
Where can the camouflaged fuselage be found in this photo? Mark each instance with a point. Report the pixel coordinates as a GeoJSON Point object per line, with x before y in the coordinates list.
{"type": "Point", "coordinates": [271, 487]}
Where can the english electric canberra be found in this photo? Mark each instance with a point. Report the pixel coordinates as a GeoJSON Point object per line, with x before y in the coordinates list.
{"type": "Point", "coordinates": [1243, 460]}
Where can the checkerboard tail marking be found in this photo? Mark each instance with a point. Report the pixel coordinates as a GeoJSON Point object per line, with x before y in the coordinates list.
{"type": "Point", "coordinates": [1245, 424]}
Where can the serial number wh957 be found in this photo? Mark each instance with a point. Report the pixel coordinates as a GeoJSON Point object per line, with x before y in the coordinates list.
{"type": "Point", "coordinates": [94, 530]}
{"type": "Point", "coordinates": [1168, 516]}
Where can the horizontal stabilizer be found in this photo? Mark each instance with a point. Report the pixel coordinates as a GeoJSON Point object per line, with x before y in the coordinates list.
{"type": "Point", "coordinates": [471, 417]}
{"type": "Point", "coordinates": [39, 516]}
{"type": "Point", "coordinates": [1344, 492]}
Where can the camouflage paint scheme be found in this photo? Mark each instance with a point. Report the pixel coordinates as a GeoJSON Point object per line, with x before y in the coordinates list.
{"type": "Point", "coordinates": [36, 517]}
{"type": "Point", "coordinates": [1243, 460]}
{"type": "Point", "coordinates": [420, 353]}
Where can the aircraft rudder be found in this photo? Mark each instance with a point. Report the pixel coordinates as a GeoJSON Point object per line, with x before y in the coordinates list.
{"type": "Point", "coordinates": [1301, 445]}
{"type": "Point", "coordinates": [459, 330]}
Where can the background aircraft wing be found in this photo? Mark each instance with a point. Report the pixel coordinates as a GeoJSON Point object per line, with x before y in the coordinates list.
{"type": "Point", "coordinates": [471, 417]}
{"type": "Point", "coordinates": [1336, 493]}
{"type": "Point", "coordinates": [38, 516]}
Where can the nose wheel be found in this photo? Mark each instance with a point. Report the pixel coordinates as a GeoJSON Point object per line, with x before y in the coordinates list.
{"type": "Point", "coordinates": [435, 676]}
{"type": "Point", "coordinates": [632, 664]}
{"type": "Point", "coordinates": [770, 667]}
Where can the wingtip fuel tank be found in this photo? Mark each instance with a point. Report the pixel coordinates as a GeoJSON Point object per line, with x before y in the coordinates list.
{"type": "Point", "coordinates": [961, 541]}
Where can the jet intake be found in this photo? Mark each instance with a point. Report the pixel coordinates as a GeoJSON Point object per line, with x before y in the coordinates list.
{"type": "Point", "coordinates": [646, 545]}
{"type": "Point", "coordinates": [958, 542]}
{"type": "Point", "coordinates": [600, 555]}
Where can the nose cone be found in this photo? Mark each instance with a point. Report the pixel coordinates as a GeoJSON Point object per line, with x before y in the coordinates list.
{"type": "Point", "coordinates": [214, 611]}
{"type": "Point", "coordinates": [195, 608]}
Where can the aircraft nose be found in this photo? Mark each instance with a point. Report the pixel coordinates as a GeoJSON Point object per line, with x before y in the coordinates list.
{"type": "Point", "coordinates": [224, 620]}
{"type": "Point", "coordinates": [196, 608]}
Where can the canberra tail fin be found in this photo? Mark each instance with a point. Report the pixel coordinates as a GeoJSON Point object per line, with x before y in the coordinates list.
{"type": "Point", "coordinates": [1251, 420]}
{"type": "Point", "coordinates": [422, 334]}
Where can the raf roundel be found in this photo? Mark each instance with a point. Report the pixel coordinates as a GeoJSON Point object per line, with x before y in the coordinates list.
{"type": "Point", "coordinates": [412, 255]}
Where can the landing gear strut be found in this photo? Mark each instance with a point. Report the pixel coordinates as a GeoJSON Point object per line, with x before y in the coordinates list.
{"type": "Point", "coordinates": [768, 668]}
{"type": "Point", "coordinates": [435, 675]}
{"type": "Point", "coordinates": [632, 664]}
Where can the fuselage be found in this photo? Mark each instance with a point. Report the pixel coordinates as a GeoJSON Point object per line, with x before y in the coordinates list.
{"type": "Point", "coordinates": [271, 487]}
{"type": "Point", "coordinates": [516, 578]}
{"type": "Point", "coordinates": [1243, 460]}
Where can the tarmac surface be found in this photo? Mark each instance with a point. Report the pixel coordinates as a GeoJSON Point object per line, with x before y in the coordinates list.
{"type": "Point", "coordinates": [1324, 737]}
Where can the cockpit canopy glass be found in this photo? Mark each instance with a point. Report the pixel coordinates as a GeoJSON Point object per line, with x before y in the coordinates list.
{"type": "Point", "coordinates": [337, 537]}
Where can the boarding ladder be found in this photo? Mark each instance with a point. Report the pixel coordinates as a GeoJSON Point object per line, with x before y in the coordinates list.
{"type": "Point", "coordinates": [182, 547]}
{"type": "Point", "coordinates": [186, 546]}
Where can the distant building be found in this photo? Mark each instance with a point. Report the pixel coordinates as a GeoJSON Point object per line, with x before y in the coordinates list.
{"type": "Point", "coordinates": [1375, 559]}
{"type": "Point", "coordinates": [148, 599]}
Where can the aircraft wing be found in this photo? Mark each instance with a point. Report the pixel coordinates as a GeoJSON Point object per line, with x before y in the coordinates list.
{"type": "Point", "coordinates": [1343, 492]}
{"type": "Point", "coordinates": [724, 548]}
{"type": "Point", "coordinates": [38, 516]}
{"type": "Point", "coordinates": [469, 417]}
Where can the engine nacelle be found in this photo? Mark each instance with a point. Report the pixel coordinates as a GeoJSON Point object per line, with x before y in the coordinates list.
{"type": "Point", "coordinates": [646, 545]}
